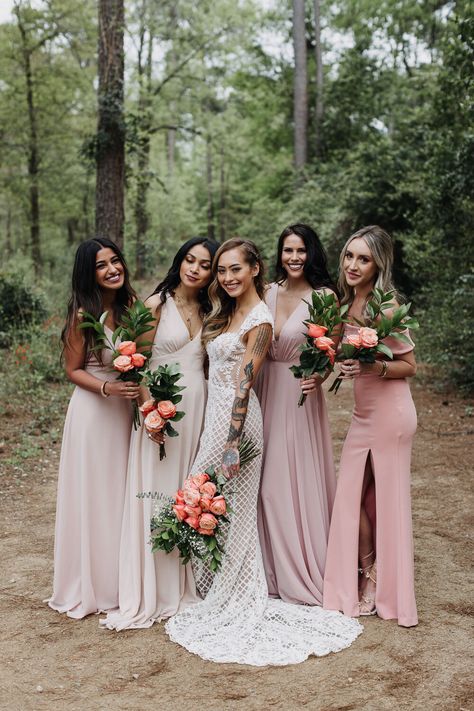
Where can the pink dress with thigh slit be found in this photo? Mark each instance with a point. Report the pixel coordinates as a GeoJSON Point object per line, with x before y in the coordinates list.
{"type": "Point", "coordinates": [382, 428]}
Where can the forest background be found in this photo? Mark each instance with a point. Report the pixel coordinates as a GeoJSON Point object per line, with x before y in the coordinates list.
{"type": "Point", "coordinates": [152, 122]}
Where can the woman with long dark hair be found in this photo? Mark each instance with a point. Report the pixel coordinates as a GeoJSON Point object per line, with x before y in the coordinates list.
{"type": "Point", "coordinates": [371, 529]}
{"type": "Point", "coordinates": [236, 622]}
{"type": "Point", "coordinates": [298, 478]}
{"type": "Point", "coordinates": [95, 444]}
{"type": "Point", "coordinates": [153, 586]}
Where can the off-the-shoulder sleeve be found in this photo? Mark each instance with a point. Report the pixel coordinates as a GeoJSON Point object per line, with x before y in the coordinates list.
{"type": "Point", "coordinates": [399, 347]}
{"type": "Point", "coordinates": [260, 314]}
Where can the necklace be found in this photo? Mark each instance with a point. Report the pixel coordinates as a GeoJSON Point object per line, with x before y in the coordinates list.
{"type": "Point", "coordinates": [187, 312]}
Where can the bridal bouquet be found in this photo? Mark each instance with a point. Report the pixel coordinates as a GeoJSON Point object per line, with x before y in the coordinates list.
{"type": "Point", "coordinates": [160, 411]}
{"type": "Point", "coordinates": [126, 355]}
{"type": "Point", "coordinates": [318, 350]}
{"type": "Point", "coordinates": [192, 521]}
{"type": "Point", "coordinates": [366, 344]}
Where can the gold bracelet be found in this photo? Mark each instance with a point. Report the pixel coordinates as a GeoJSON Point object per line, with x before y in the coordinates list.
{"type": "Point", "coordinates": [102, 389]}
{"type": "Point", "coordinates": [383, 372]}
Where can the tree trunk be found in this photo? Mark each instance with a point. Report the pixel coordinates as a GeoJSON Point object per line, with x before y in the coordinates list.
{"type": "Point", "coordinates": [33, 160]}
{"type": "Point", "coordinates": [300, 87]}
{"type": "Point", "coordinates": [142, 218]}
{"type": "Point", "coordinates": [223, 202]}
{"type": "Point", "coordinates": [173, 60]}
{"type": "Point", "coordinates": [8, 233]}
{"type": "Point", "coordinates": [111, 128]}
{"type": "Point", "coordinates": [319, 109]}
{"type": "Point", "coordinates": [210, 197]}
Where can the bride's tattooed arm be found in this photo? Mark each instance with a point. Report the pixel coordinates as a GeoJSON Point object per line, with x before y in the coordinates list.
{"type": "Point", "coordinates": [258, 343]}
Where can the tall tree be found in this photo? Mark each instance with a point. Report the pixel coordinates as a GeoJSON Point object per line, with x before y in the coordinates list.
{"type": "Point", "coordinates": [300, 86]}
{"type": "Point", "coordinates": [318, 55]}
{"type": "Point", "coordinates": [111, 125]}
{"type": "Point", "coordinates": [32, 40]}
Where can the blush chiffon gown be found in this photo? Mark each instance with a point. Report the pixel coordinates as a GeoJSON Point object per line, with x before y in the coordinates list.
{"type": "Point", "coordinates": [382, 428]}
{"type": "Point", "coordinates": [91, 489]}
{"type": "Point", "coordinates": [298, 478]}
{"type": "Point", "coordinates": [154, 586]}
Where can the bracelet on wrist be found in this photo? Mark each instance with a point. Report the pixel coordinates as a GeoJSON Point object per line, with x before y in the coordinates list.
{"type": "Point", "coordinates": [102, 389]}
{"type": "Point", "coordinates": [383, 372]}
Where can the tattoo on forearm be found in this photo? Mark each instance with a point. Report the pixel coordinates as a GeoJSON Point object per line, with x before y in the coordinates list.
{"type": "Point", "coordinates": [239, 407]}
{"type": "Point", "coordinates": [263, 339]}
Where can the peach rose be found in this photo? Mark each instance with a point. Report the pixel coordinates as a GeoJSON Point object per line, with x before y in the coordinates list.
{"type": "Point", "coordinates": [138, 360]}
{"type": "Point", "coordinates": [368, 337]}
{"type": "Point", "coordinates": [192, 521]}
{"type": "Point", "coordinates": [179, 496]}
{"type": "Point", "coordinates": [193, 511]}
{"type": "Point", "coordinates": [154, 422]}
{"type": "Point", "coordinates": [200, 479]}
{"type": "Point", "coordinates": [331, 353]}
{"type": "Point", "coordinates": [315, 331]}
{"type": "Point", "coordinates": [218, 506]}
{"type": "Point", "coordinates": [323, 343]}
{"type": "Point", "coordinates": [179, 512]}
{"type": "Point", "coordinates": [205, 503]}
{"type": "Point", "coordinates": [205, 532]}
{"type": "Point", "coordinates": [208, 489]}
{"type": "Point", "coordinates": [123, 363]}
{"type": "Point", "coordinates": [208, 521]}
{"type": "Point", "coordinates": [354, 340]}
{"type": "Point", "coordinates": [191, 496]}
{"type": "Point", "coordinates": [147, 407]}
{"type": "Point", "coordinates": [166, 409]}
{"type": "Point", "coordinates": [127, 348]}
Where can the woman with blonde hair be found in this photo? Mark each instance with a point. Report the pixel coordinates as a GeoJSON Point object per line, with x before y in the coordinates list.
{"type": "Point", "coordinates": [236, 622]}
{"type": "Point", "coordinates": [371, 529]}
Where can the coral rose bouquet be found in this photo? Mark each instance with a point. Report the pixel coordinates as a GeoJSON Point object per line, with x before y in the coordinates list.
{"type": "Point", "coordinates": [193, 520]}
{"type": "Point", "coordinates": [129, 352]}
{"type": "Point", "coordinates": [160, 411]}
{"type": "Point", "coordinates": [318, 351]}
{"type": "Point", "coordinates": [366, 344]}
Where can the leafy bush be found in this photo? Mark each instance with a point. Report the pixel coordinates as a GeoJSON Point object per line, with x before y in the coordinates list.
{"type": "Point", "coordinates": [20, 307]}
{"type": "Point", "coordinates": [446, 334]}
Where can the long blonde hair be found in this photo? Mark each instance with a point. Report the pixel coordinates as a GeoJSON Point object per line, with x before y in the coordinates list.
{"type": "Point", "coordinates": [381, 248]}
{"type": "Point", "coordinates": [223, 305]}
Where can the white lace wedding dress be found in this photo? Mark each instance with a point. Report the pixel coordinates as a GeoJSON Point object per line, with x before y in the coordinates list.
{"type": "Point", "coordinates": [237, 622]}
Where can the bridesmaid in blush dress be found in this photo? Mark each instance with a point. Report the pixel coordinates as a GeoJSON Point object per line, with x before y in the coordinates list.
{"type": "Point", "coordinates": [94, 453]}
{"type": "Point", "coordinates": [154, 586]}
{"type": "Point", "coordinates": [371, 524]}
{"type": "Point", "coordinates": [298, 478]}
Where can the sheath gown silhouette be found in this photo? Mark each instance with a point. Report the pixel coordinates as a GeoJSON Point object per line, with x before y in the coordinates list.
{"type": "Point", "coordinates": [153, 586]}
{"type": "Point", "coordinates": [91, 489]}
{"type": "Point", "coordinates": [298, 477]}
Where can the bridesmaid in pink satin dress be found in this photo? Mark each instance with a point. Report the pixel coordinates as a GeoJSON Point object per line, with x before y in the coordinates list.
{"type": "Point", "coordinates": [298, 479]}
{"type": "Point", "coordinates": [371, 528]}
{"type": "Point", "coordinates": [94, 452]}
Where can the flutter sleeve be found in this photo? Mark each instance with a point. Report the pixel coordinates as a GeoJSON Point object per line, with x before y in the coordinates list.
{"type": "Point", "coordinates": [399, 347]}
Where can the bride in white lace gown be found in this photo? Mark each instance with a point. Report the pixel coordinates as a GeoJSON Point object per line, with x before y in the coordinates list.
{"type": "Point", "coordinates": [237, 622]}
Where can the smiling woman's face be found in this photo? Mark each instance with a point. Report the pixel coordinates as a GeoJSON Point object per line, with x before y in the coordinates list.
{"type": "Point", "coordinates": [234, 274]}
{"type": "Point", "coordinates": [359, 265]}
{"type": "Point", "coordinates": [109, 270]}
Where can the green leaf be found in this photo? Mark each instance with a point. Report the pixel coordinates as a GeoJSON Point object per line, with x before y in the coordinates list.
{"type": "Point", "coordinates": [382, 348]}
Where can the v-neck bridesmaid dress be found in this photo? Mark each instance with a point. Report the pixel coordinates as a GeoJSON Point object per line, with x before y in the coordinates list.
{"type": "Point", "coordinates": [154, 586]}
{"type": "Point", "coordinates": [298, 479]}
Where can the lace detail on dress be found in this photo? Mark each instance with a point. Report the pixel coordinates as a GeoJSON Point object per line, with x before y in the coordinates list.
{"type": "Point", "coordinates": [237, 622]}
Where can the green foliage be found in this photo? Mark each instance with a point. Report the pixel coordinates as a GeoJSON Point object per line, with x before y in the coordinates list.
{"type": "Point", "coordinates": [20, 307]}
{"type": "Point", "coordinates": [446, 337]}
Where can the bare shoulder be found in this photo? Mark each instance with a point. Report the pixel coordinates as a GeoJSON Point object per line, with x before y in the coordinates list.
{"type": "Point", "coordinates": [154, 303]}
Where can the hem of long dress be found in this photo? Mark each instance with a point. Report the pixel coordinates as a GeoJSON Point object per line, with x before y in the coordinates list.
{"type": "Point", "coordinates": [75, 611]}
{"type": "Point", "coordinates": [349, 611]}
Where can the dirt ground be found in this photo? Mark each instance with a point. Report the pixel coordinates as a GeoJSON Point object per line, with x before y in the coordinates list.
{"type": "Point", "coordinates": [51, 662]}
